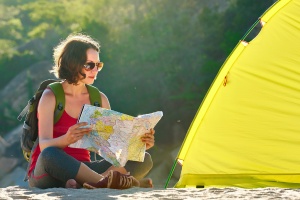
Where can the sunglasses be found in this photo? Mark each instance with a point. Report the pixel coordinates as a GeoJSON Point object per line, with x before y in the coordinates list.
{"type": "Point", "coordinates": [91, 65]}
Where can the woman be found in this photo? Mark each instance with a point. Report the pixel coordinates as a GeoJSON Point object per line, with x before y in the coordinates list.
{"type": "Point", "coordinates": [54, 164]}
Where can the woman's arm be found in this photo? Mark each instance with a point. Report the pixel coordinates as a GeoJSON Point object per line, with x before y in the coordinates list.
{"type": "Point", "coordinates": [46, 116]}
{"type": "Point", "coordinates": [105, 102]}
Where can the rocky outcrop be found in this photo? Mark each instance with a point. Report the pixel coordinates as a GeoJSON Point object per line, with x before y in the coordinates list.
{"type": "Point", "coordinates": [24, 84]}
{"type": "Point", "coordinates": [12, 163]}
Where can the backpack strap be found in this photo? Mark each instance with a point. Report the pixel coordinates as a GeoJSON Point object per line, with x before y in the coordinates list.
{"type": "Point", "coordinates": [58, 91]}
{"type": "Point", "coordinates": [95, 97]}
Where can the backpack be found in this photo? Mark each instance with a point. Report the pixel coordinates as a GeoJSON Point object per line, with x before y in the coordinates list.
{"type": "Point", "coordinates": [30, 127]}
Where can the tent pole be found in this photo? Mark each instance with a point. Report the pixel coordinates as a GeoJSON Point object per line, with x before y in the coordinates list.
{"type": "Point", "coordinates": [171, 173]}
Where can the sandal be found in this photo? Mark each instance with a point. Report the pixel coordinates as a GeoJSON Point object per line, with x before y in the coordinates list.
{"type": "Point", "coordinates": [114, 180]}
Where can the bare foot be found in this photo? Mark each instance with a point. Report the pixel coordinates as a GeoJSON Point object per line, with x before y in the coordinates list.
{"type": "Point", "coordinates": [71, 183]}
{"type": "Point", "coordinates": [146, 183]}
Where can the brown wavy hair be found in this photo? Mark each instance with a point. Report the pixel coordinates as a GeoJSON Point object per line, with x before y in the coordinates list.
{"type": "Point", "coordinates": [70, 56]}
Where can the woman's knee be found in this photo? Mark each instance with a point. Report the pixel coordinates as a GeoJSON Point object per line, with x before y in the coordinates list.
{"type": "Point", "coordinates": [140, 169]}
{"type": "Point", "coordinates": [148, 161]}
{"type": "Point", "coordinates": [48, 154]}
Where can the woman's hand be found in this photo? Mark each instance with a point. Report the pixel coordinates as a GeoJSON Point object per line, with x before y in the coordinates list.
{"type": "Point", "coordinates": [148, 139]}
{"type": "Point", "coordinates": [76, 132]}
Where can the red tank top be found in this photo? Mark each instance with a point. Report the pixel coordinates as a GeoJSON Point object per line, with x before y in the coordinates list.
{"type": "Point", "coordinates": [59, 129]}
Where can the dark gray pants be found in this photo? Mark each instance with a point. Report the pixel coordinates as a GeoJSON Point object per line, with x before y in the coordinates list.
{"type": "Point", "coordinates": [54, 168]}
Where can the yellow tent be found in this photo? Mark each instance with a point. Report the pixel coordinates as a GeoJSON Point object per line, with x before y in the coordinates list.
{"type": "Point", "coordinates": [246, 132]}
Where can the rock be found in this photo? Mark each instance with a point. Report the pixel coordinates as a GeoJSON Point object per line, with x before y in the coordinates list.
{"type": "Point", "coordinates": [3, 145]}
{"type": "Point", "coordinates": [16, 177]}
{"type": "Point", "coordinates": [14, 135]}
{"type": "Point", "coordinates": [7, 165]}
{"type": "Point", "coordinates": [24, 85]}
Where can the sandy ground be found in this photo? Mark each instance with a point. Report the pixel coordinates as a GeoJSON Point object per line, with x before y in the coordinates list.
{"type": "Point", "coordinates": [15, 192]}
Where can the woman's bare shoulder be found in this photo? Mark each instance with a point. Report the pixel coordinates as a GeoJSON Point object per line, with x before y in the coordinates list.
{"type": "Point", "coordinates": [48, 98]}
